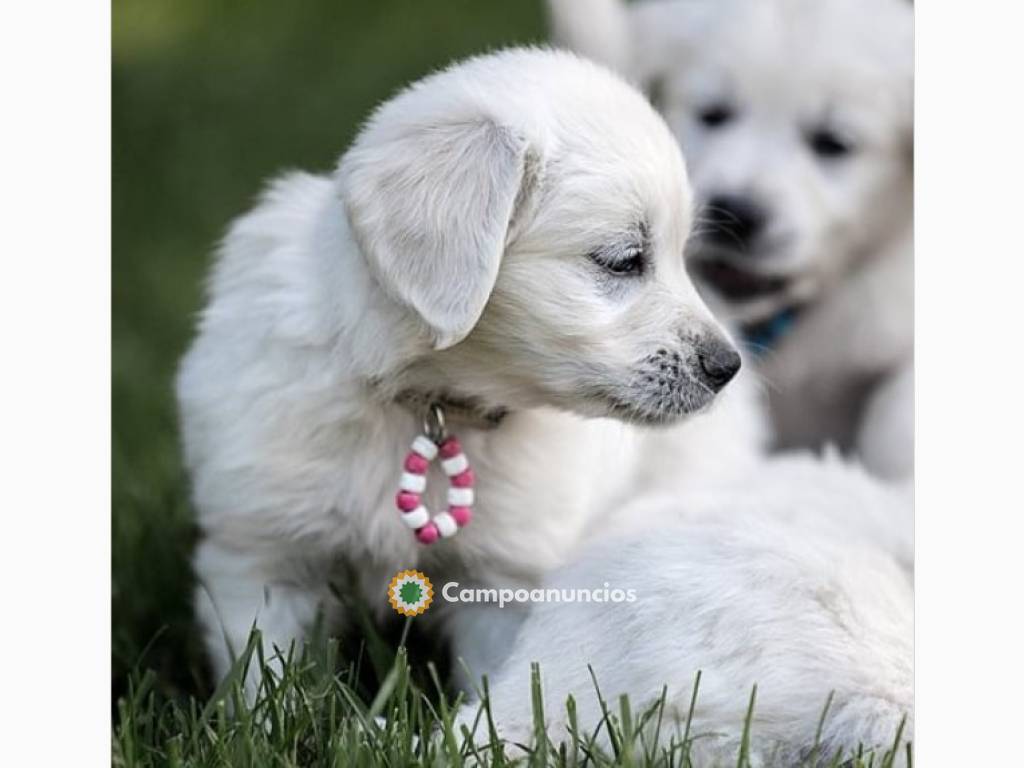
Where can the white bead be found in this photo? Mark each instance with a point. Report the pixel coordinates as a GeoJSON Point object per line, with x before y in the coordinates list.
{"type": "Point", "coordinates": [425, 447]}
{"type": "Point", "coordinates": [412, 482]}
{"type": "Point", "coordinates": [460, 497]}
{"type": "Point", "coordinates": [417, 518]}
{"type": "Point", "coordinates": [455, 465]}
{"type": "Point", "coordinates": [446, 525]}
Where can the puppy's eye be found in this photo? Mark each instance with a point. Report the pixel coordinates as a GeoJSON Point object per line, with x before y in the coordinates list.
{"type": "Point", "coordinates": [716, 115]}
{"type": "Point", "coordinates": [629, 264]}
{"type": "Point", "coordinates": [828, 144]}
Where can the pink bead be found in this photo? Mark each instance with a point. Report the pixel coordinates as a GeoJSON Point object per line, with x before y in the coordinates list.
{"type": "Point", "coordinates": [450, 448]}
{"type": "Point", "coordinates": [464, 479]}
{"type": "Point", "coordinates": [462, 515]}
{"type": "Point", "coordinates": [416, 463]}
{"type": "Point", "coordinates": [428, 534]}
{"type": "Point", "coordinates": [407, 501]}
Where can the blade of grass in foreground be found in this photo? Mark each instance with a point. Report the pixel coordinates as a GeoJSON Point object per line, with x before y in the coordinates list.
{"type": "Point", "coordinates": [744, 758]}
{"type": "Point", "coordinates": [813, 757]}
{"type": "Point", "coordinates": [540, 733]}
{"type": "Point", "coordinates": [689, 719]}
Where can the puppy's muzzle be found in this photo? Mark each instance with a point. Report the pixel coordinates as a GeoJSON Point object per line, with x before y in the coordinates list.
{"type": "Point", "coordinates": [736, 222]}
{"type": "Point", "coordinates": [674, 382]}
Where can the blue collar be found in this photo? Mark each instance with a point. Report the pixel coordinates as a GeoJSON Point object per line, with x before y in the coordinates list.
{"type": "Point", "coordinates": [761, 337]}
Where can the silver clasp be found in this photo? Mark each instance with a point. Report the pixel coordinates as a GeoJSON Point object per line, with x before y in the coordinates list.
{"type": "Point", "coordinates": [433, 423]}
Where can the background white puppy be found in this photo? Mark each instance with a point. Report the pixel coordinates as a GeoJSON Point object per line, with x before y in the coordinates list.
{"type": "Point", "coordinates": [795, 117]}
{"type": "Point", "coordinates": [797, 581]}
{"type": "Point", "coordinates": [505, 238]}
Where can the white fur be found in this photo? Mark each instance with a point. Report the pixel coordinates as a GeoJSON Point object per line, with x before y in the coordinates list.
{"type": "Point", "coordinates": [795, 580]}
{"type": "Point", "coordinates": [447, 254]}
{"type": "Point", "coordinates": [785, 66]}
{"type": "Point", "coordinates": [886, 436]}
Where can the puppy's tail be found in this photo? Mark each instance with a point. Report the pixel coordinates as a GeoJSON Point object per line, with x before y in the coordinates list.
{"type": "Point", "coordinates": [597, 29]}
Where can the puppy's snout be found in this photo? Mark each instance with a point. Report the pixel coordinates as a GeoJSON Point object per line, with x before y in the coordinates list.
{"type": "Point", "coordinates": [735, 221]}
{"type": "Point", "coordinates": [719, 362]}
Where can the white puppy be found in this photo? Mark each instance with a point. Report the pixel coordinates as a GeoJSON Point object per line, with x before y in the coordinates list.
{"type": "Point", "coordinates": [795, 117]}
{"type": "Point", "coordinates": [795, 581]}
{"type": "Point", "coordinates": [504, 238]}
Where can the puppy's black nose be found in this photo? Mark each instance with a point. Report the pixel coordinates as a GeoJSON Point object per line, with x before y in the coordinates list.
{"type": "Point", "coordinates": [719, 362]}
{"type": "Point", "coordinates": [734, 221]}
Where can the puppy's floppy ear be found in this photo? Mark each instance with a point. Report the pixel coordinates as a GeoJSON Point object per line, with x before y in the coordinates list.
{"type": "Point", "coordinates": [430, 204]}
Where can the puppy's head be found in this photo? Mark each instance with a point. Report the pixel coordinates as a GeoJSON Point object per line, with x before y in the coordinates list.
{"type": "Point", "coordinates": [796, 120]}
{"type": "Point", "coordinates": [529, 211]}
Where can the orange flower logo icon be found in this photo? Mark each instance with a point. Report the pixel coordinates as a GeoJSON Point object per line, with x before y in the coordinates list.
{"type": "Point", "coordinates": [410, 593]}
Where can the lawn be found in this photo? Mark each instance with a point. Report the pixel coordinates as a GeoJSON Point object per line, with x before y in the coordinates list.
{"type": "Point", "coordinates": [209, 99]}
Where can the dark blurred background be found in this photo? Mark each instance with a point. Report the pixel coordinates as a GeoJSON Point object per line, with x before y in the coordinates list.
{"type": "Point", "coordinates": [209, 99]}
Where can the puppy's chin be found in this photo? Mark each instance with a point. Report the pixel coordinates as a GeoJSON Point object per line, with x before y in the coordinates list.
{"type": "Point", "coordinates": [649, 412]}
{"type": "Point", "coordinates": [639, 407]}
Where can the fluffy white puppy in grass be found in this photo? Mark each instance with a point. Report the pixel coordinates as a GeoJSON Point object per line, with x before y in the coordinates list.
{"type": "Point", "coordinates": [504, 238]}
{"type": "Point", "coordinates": [797, 580]}
{"type": "Point", "coordinates": [795, 117]}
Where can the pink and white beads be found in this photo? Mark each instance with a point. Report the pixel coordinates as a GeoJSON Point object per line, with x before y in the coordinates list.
{"type": "Point", "coordinates": [414, 481]}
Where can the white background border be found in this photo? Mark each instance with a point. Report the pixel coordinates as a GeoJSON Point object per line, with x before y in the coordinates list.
{"type": "Point", "coordinates": [970, 299]}
{"type": "Point", "coordinates": [55, 357]}
{"type": "Point", "coordinates": [54, 320]}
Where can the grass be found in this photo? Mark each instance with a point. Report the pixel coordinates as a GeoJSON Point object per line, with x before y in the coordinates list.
{"type": "Point", "coordinates": [211, 98]}
{"type": "Point", "coordinates": [317, 712]}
